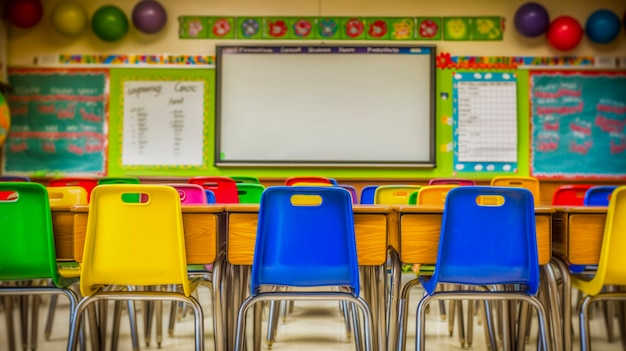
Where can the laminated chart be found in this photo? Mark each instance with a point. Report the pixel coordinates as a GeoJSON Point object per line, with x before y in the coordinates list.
{"type": "Point", "coordinates": [578, 122]}
{"type": "Point", "coordinates": [59, 122]}
{"type": "Point", "coordinates": [485, 122]}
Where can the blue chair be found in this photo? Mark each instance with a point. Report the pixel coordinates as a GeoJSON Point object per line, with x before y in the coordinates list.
{"type": "Point", "coordinates": [305, 238]}
{"type": "Point", "coordinates": [472, 251]}
{"type": "Point", "coordinates": [14, 179]}
{"type": "Point", "coordinates": [210, 196]}
{"type": "Point", "coordinates": [598, 195]}
{"type": "Point", "coordinates": [367, 194]}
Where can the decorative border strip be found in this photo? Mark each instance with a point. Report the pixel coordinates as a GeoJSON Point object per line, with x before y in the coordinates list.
{"type": "Point", "coordinates": [486, 28]}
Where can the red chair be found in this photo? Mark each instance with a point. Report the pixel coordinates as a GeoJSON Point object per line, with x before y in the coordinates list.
{"type": "Point", "coordinates": [306, 179]}
{"type": "Point", "coordinates": [86, 183]}
{"type": "Point", "coordinates": [570, 195]}
{"type": "Point", "coordinates": [224, 188]}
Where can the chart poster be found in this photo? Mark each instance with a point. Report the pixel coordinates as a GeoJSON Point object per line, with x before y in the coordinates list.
{"type": "Point", "coordinates": [485, 122]}
{"type": "Point", "coordinates": [163, 123]}
{"type": "Point", "coordinates": [58, 122]}
{"type": "Point", "coordinates": [577, 125]}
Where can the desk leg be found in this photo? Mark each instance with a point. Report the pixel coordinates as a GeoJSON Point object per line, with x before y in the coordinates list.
{"type": "Point", "coordinates": [218, 303]}
{"type": "Point", "coordinates": [392, 303]}
{"type": "Point", "coordinates": [566, 302]}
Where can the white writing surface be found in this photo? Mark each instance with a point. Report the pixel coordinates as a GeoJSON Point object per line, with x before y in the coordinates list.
{"type": "Point", "coordinates": [163, 123]}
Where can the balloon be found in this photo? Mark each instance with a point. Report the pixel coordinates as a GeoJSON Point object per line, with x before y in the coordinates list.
{"type": "Point", "coordinates": [5, 119]}
{"type": "Point", "coordinates": [149, 16]}
{"type": "Point", "coordinates": [564, 33]}
{"type": "Point", "coordinates": [69, 18]}
{"type": "Point", "coordinates": [531, 19]}
{"type": "Point", "coordinates": [602, 26]}
{"type": "Point", "coordinates": [24, 13]}
{"type": "Point", "coordinates": [109, 23]}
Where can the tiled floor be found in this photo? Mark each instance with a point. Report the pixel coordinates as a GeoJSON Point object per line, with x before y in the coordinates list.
{"type": "Point", "coordinates": [311, 326]}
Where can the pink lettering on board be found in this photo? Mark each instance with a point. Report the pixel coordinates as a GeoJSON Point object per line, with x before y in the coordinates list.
{"type": "Point", "coordinates": [580, 128]}
{"type": "Point", "coordinates": [560, 93]}
{"type": "Point", "coordinates": [618, 148]}
{"type": "Point", "coordinates": [580, 148]}
{"type": "Point", "coordinates": [564, 110]}
{"type": "Point", "coordinates": [610, 125]}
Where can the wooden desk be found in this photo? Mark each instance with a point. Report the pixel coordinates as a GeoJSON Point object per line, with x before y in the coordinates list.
{"type": "Point", "coordinates": [200, 223]}
{"type": "Point", "coordinates": [373, 224]}
{"type": "Point", "coordinates": [577, 234]}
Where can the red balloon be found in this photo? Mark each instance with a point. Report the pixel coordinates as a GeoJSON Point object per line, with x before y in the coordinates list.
{"type": "Point", "coordinates": [24, 13]}
{"type": "Point", "coordinates": [564, 33]}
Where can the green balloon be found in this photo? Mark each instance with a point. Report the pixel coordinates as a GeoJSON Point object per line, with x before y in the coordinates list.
{"type": "Point", "coordinates": [109, 23]}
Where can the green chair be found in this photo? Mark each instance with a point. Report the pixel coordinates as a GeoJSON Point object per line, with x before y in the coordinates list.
{"type": "Point", "coordinates": [246, 179]}
{"type": "Point", "coordinates": [27, 251]}
{"type": "Point", "coordinates": [249, 193]}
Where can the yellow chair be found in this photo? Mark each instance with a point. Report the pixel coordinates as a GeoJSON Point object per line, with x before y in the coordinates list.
{"type": "Point", "coordinates": [144, 246]}
{"type": "Point", "coordinates": [394, 194]}
{"type": "Point", "coordinates": [59, 197]}
{"type": "Point", "coordinates": [529, 183]}
{"type": "Point", "coordinates": [611, 267]}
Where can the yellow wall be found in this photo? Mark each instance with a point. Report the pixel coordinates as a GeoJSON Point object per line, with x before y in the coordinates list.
{"type": "Point", "coordinates": [25, 44]}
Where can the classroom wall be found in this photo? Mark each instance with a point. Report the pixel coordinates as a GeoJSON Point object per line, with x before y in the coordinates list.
{"type": "Point", "coordinates": [27, 46]}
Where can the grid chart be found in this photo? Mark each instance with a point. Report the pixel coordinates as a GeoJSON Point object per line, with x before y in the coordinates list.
{"type": "Point", "coordinates": [485, 122]}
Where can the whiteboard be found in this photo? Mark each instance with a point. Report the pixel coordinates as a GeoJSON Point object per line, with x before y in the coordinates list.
{"type": "Point", "coordinates": [325, 105]}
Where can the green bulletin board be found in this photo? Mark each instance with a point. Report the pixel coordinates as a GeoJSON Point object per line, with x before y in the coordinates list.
{"type": "Point", "coordinates": [58, 122]}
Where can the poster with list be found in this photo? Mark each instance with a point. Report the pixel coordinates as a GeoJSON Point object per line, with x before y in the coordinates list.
{"type": "Point", "coordinates": [578, 125]}
{"type": "Point", "coordinates": [485, 122]}
{"type": "Point", "coordinates": [59, 120]}
{"type": "Point", "coordinates": [163, 123]}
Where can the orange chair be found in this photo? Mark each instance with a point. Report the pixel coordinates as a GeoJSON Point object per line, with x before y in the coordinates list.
{"type": "Point", "coordinates": [570, 195]}
{"type": "Point", "coordinates": [529, 183]}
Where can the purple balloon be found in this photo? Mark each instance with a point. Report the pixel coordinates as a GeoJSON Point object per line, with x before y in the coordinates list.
{"type": "Point", "coordinates": [531, 19]}
{"type": "Point", "coordinates": [149, 16]}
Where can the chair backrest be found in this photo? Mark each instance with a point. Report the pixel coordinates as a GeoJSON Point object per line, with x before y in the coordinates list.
{"type": "Point", "coordinates": [433, 194]}
{"type": "Point", "coordinates": [87, 183]}
{"type": "Point", "coordinates": [190, 194]}
{"type": "Point", "coordinates": [246, 179]}
{"type": "Point", "coordinates": [367, 194]}
{"type": "Point", "coordinates": [118, 180]}
{"type": "Point", "coordinates": [307, 179]}
{"type": "Point", "coordinates": [352, 191]}
{"type": "Point", "coordinates": [570, 195]}
{"type": "Point", "coordinates": [224, 188]}
{"type": "Point", "coordinates": [305, 237]}
{"type": "Point", "coordinates": [27, 242]}
{"type": "Point", "coordinates": [530, 183]}
{"type": "Point", "coordinates": [487, 237]}
{"type": "Point", "coordinates": [612, 263]}
{"type": "Point", "coordinates": [394, 194]}
{"type": "Point", "coordinates": [250, 193]}
{"type": "Point", "coordinates": [144, 245]}
{"type": "Point", "coordinates": [599, 195]}
{"type": "Point", "coordinates": [210, 196]}
{"type": "Point", "coordinates": [449, 181]}
{"type": "Point", "coordinates": [64, 196]}
{"type": "Point", "coordinates": [14, 179]}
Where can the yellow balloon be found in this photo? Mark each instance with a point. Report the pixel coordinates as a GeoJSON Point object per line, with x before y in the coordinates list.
{"type": "Point", "coordinates": [69, 18]}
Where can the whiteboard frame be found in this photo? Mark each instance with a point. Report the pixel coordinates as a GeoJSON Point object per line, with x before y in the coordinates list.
{"type": "Point", "coordinates": [431, 152]}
